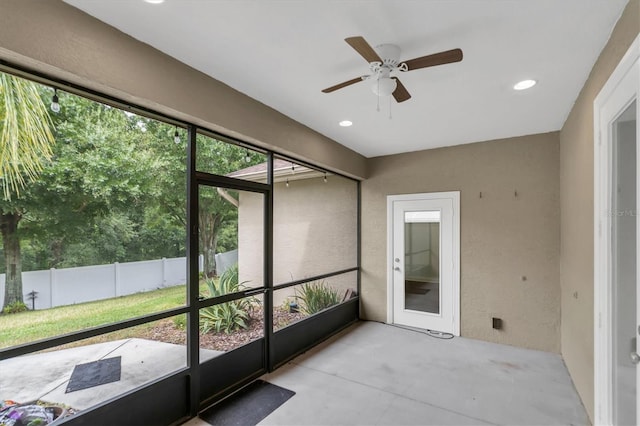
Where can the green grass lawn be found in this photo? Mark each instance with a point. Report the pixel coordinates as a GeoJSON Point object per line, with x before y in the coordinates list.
{"type": "Point", "coordinates": [29, 326]}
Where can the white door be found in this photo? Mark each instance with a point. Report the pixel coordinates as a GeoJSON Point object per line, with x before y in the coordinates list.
{"type": "Point", "coordinates": [624, 278]}
{"type": "Point", "coordinates": [424, 241]}
{"type": "Point", "coordinates": [617, 287]}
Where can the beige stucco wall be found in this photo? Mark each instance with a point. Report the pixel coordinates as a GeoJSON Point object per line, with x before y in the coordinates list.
{"type": "Point", "coordinates": [53, 37]}
{"type": "Point", "coordinates": [314, 232]}
{"type": "Point", "coordinates": [576, 194]}
{"type": "Point", "coordinates": [503, 237]}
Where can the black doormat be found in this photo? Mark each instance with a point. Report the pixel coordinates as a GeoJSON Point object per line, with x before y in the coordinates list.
{"type": "Point", "coordinates": [94, 373]}
{"type": "Point", "coordinates": [248, 406]}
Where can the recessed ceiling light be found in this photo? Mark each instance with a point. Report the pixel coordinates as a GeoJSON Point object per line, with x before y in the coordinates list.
{"type": "Point", "coordinates": [524, 85]}
{"type": "Point", "coordinates": [154, 1]}
{"type": "Point", "coordinates": [345, 123]}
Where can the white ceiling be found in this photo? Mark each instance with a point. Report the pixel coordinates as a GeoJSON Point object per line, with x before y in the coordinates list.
{"type": "Point", "coordinates": [284, 52]}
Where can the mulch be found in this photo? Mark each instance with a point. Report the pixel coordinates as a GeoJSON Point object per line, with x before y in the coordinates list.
{"type": "Point", "coordinates": [167, 331]}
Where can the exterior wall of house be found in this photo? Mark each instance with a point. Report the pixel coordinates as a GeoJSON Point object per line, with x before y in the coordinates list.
{"type": "Point", "coordinates": [503, 237]}
{"type": "Point", "coordinates": [54, 38]}
{"type": "Point", "coordinates": [576, 203]}
{"type": "Point", "coordinates": [314, 232]}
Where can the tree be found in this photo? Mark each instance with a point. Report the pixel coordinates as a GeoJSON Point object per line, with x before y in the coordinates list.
{"type": "Point", "coordinates": [112, 188]}
{"type": "Point", "coordinates": [217, 214]}
{"type": "Point", "coordinates": [214, 212]}
{"type": "Point", "coordinates": [86, 204]}
{"type": "Point", "coordinates": [90, 203]}
{"type": "Point", "coordinates": [26, 142]}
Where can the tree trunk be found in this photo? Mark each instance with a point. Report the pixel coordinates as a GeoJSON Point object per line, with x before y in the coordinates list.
{"type": "Point", "coordinates": [12, 257]}
{"type": "Point", "coordinates": [209, 228]}
{"type": "Point", "coordinates": [213, 266]}
{"type": "Point", "coordinates": [57, 248]}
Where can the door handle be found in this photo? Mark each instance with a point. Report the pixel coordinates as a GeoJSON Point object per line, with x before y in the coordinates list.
{"type": "Point", "coordinates": [635, 358]}
{"type": "Point", "coordinates": [397, 268]}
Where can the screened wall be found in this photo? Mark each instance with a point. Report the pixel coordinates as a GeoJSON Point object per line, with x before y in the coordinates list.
{"type": "Point", "coordinates": [190, 262]}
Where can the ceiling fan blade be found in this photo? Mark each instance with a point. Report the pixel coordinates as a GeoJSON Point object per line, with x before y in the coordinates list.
{"type": "Point", "coordinates": [361, 46]}
{"type": "Point", "coordinates": [341, 85]}
{"type": "Point", "coordinates": [400, 93]}
{"type": "Point", "coordinates": [441, 58]}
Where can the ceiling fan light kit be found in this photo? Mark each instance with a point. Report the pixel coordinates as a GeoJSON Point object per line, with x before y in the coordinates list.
{"type": "Point", "coordinates": [384, 86]}
{"type": "Point", "coordinates": [384, 62]}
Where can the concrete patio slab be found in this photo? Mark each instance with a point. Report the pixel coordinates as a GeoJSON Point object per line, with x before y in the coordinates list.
{"type": "Point", "coordinates": [424, 380]}
{"type": "Point", "coordinates": [378, 374]}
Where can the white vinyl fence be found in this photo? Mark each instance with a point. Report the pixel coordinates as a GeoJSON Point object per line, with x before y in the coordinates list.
{"type": "Point", "coordinates": [59, 287]}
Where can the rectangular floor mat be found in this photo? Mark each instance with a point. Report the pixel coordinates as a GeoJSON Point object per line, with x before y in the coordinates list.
{"type": "Point", "coordinates": [248, 406]}
{"type": "Point", "coordinates": [94, 373]}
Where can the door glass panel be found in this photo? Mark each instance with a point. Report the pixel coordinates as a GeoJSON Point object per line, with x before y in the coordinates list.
{"type": "Point", "coordinates": [422, 261]}
{"type": "Point", "coordinates": [624, 267]}
{"type": "Point", "coordinates": [231, 225]}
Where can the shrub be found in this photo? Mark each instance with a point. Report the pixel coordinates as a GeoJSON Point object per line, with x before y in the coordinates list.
{"type": "Point", "coordinates": [14, 308]}
{"type": "Point", "coordinates": [180, 321]}
{"type": "Point", "coordinates": [316, 296]}
{"type": "Point", "coordinates": [228, 316]}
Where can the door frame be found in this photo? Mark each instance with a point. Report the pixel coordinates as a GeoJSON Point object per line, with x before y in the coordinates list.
{"type": "Point", "coordinates": [455, 197]}
{"type": "Point", "coordinates": [603, 174]}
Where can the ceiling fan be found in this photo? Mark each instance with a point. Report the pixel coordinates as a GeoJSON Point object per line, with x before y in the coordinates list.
{"type": "Point", "coordinates": [384, 60]}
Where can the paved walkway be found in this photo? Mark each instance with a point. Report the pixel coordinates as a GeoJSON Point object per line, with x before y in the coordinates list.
{"type": "Point", "coordinates": [45, 375]}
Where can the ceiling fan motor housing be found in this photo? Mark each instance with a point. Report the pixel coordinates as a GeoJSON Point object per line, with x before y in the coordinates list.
{"type": "Point", "coordinates": [390, 54]}
{"type": "Point", "coordinates": [383, 84]}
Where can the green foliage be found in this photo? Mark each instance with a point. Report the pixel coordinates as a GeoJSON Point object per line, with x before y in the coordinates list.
{"type": "Point", "coordinates": [229, 281]}
{"type": "Point", "coordinates": [91, 202]}
{"type": "Point", "coordinates": [26, 139]}
{"type": "Point", "coordinates": [180, 321]}
{"type": "Point", "coordinates": [14, 308]}
{"type": "Point", "coordinates": [100, 198]}
{"type": "Point", "coordinates": [26, 142]}
{"type": "Point", "coordinates": [285, 305]}
{"type": "Point", "coordinates": [218, 218]}
{"type": "Point", "coordinates": [98, 184]}
{"type": "Point", "coordinates": [316, 296]}
{"type": "Point", "coordinates": [228, 316]}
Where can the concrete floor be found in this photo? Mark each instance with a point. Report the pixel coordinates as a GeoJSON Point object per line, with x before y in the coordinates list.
{"type": "Point", "coordinates": [376, 374]}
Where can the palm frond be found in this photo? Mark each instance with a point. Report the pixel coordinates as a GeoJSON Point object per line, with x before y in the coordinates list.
{"type": "Point", "coordinates": [26, 137]}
